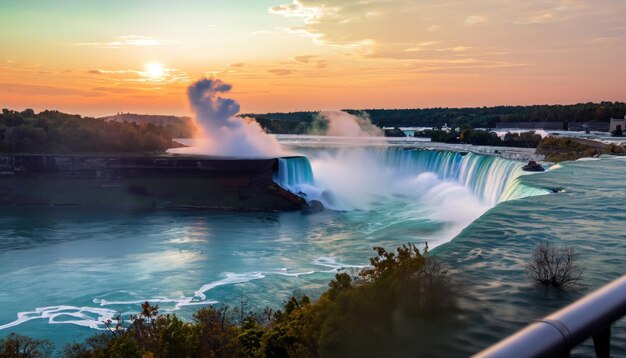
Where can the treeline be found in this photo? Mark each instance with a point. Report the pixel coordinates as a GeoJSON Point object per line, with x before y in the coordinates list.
{"type": "Point", "coordinates": [477, 117]}
{"type": "Point", "coordinates": [176, 127]}
{"type": "Point", "coordinates": [395, 300]}
{"type": "Point", "coordinates": [286, 123]}
{"type": "Point", "coordinates": [56, 132]}
{"type": "Point", "coordinates": [467, 135]}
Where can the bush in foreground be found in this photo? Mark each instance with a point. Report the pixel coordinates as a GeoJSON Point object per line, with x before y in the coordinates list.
{"type": "Point", "coordinates": [359, 315]}
{"type": "Point", "coordinates": [16, 345]}
{"type": "Point", "coordinates": [554, 266]}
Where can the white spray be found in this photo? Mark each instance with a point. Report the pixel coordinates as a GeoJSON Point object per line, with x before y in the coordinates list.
{"type": "Point", "coordinates": [221, 132]}
{"type": "Point", "coordinates": [344, 124]}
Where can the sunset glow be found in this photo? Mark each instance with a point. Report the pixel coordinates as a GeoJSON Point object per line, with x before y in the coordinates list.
{"type": "Point", "coordinates": [154, 71]}
{"type": "Point", "coordinates": [284, 55]}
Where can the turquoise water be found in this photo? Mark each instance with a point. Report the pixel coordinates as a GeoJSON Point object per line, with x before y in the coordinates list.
{"type": "Point", "coordinates": [589, 214]}
{"type": "Point", "coordinates": [63, 271]}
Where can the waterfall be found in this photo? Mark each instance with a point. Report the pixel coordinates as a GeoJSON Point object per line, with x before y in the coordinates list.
{"type": "Point", "coordinates": [491, 179]}
{"type": "Point", "coordinates": [293, 172]}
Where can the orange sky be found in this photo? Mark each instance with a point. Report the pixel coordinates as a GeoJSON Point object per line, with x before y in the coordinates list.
{"type": "Point", "coordinates": [109, 57]}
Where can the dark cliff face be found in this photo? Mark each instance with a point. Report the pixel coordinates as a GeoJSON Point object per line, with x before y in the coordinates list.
{"type": "Point", "coordinates": [171, 182]}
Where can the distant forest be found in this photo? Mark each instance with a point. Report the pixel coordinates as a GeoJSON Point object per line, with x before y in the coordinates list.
{"type": "Point", "coordinates": [56, 132]}
{"type": "Point", "coordinates": [478, 117]}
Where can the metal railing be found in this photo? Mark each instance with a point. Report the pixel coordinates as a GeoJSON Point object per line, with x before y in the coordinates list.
{"type": "Point", "coordinates": [556, 334]}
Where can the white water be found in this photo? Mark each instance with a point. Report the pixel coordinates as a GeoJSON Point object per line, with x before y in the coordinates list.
{"type": "Point", "coordinates": [349, 179]}
{"type": "Point", "coordinates": [388, 195]}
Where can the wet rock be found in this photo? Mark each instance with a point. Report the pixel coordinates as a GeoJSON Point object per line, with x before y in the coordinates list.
{"type": "Point", "coordinates": [533, 166]}
{"type": "Point", "coordinates": [312, 207]}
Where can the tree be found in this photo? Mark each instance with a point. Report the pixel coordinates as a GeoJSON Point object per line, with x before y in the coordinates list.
{"type": "Point", "coordinates": [16, 345]}
{"type": "Point", "coordinates": [554, 266]}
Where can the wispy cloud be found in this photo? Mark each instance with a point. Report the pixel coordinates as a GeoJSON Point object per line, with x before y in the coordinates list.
{"type": "Point", "coordinates": [476, 19]}
{"type": "Point", "coordinates": [113, 89]}
{"type": "Point", "coordinates": [310, 14]}
{"type": "Point", "coordinates": [280, 71]}
{"type": "Point", "coordinates": [426, 45]}
{"type": "Point", "coordinates": [304, 59]}
{"type": "Point", "coordinates": [31, 90]}
{"type": "Point", "coordinates": [164, 75]}
{"type": "Point", "coordinates": [537, 19]}
{"type": "Point", "coordinates": [128, 41]}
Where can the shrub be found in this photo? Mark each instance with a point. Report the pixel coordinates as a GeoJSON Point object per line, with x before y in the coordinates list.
{"type": "Point", "coordinates": [16, 345]}
{"type": "Point", "coordinates": [554, 266]}
{"type": "Point", "coordinates": [359, 315]}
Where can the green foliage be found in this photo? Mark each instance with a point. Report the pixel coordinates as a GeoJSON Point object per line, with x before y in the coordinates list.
{"type": "Point", "coordinates": [478, 117]}
{"type": "Point", "coordinates": [175, 127]}
{"type": "Point", "coordinates": [468, 135]}
{"type": "Point", "coordinates": [358, 315]}
{"type": "Point", "coordinates": [16, 345]}
{"type": "Point", "coordinates": [56, 132]}
{"type": "Point", "coordinates": [361, 315]}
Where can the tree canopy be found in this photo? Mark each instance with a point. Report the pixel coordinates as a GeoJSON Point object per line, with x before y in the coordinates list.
{"type": "Point", "coordinates": [56, 132]}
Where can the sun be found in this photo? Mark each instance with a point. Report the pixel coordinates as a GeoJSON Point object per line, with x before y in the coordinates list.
{"type": "Point", "coordinates": [154, 70]}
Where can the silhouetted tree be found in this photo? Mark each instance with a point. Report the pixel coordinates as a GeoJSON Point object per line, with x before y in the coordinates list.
{"type": "Point", "coordinates": [554, 266]}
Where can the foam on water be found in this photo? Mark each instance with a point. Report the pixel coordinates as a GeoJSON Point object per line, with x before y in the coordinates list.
{"type": "Point", "coordinates": [94, 317]}
{"type": "Point", "coordinates": [410, 190]}
{"type": "Point", "coordinates": [90, 317]}
{"type": "Point", "coordinates": [348, 179]}
{"type": "Point", "coordinates": [335, 265]}
{"type": "Point", "coordinates": [230, 279]}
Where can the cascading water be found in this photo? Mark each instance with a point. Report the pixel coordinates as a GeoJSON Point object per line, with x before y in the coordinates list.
{"type": "Point", "coordinates": [390, 196]}
{"type": "Point", "coordinates": [293, 172]}
{"type": "Point", "coordinates": [488, 178]}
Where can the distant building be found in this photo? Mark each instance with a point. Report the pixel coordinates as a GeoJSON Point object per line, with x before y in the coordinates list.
{"type": "Point", "coordinates": [617, 122]}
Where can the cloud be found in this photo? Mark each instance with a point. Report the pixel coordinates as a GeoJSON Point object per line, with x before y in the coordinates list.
{"type": "Point", "coordinates": [304, 59]}
{"type": "Point", "coordinates": [476, 19]}
{"type": "Point", "coordinates": [426, 45]}
{"type": "Point", "coordinates": [236, 65]}
{"type": "Point", "coordinates": [557, 10]}
{"type": "Point", "coordinates": [536, 19]}
{"type": "Point", "coordinates": [127, 41]}
{"type": "Point", "coordinates": [166, 75]}
{"type": "Point", "coordinates": [601, 40]}
{"type": "Point", "coordinates": [113, 89]}
{"type": "Point", "coordinates": [107, 72]}
{"type": "Point", "coordinates": [280, 71]}
{"type": "Point", "coordinates": [314, 15]}
{"type": "Point", "coordinates": [34, 90]}
{"type": "Point", "coordinates": [310, 14]}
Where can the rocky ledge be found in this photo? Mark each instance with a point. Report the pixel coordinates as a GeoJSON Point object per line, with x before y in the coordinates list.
{"type": "Point", "coordinates": [136, 182]}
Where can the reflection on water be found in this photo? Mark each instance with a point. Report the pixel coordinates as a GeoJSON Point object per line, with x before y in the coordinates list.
{"type": "Point", "coordinates": [78, 267]}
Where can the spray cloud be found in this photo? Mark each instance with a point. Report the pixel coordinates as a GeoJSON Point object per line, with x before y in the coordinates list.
{"type": "Point", "coordinates": [222, 132]}
{"type": "Point", "coordinates": [344, 124]}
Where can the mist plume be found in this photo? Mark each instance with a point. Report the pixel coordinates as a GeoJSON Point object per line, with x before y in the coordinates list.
{"type": "Point", "coordinates": [344, 124]}
{"type": "Point", "coordinates": [222, 133]}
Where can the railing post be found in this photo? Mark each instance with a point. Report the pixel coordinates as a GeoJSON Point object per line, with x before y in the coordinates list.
{"type": "Point", "coordinates": [602, 343]}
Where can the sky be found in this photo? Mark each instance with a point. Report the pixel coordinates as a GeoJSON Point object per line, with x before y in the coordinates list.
{"type": "Point", "coordinates": [103, 57]}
